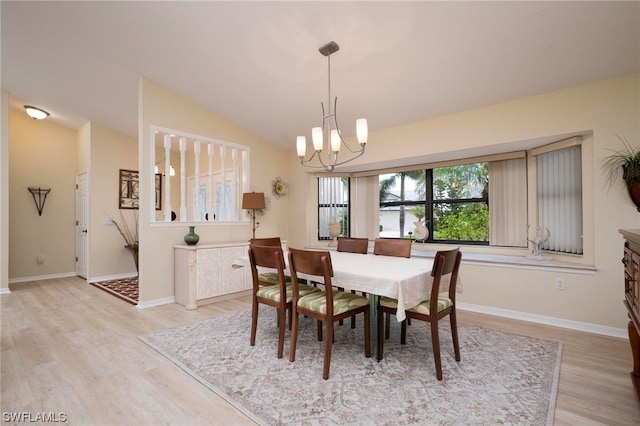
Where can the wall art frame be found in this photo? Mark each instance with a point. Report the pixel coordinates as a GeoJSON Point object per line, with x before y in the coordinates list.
{"type": "Point", "coordinates": [129, 190]}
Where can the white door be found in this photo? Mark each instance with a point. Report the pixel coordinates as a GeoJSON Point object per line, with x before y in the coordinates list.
{"type": "Point", "coordinates": [82, 221]}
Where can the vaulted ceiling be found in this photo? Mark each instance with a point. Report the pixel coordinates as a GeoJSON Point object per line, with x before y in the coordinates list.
{"type": "Point", "coordinates": [257, 63]}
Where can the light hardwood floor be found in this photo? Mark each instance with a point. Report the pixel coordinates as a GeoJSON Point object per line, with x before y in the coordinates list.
{"type": "Point", "coordinates": [68, 347]}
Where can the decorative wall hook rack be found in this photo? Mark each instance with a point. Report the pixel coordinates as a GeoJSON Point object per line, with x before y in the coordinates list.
{"type": "Point", "coordinates": [41, 197]}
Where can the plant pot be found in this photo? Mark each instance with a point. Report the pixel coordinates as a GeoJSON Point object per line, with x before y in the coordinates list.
{"type": "Point", "coordinates": [134, 252]}
{"type": "Point", "coordinates": [633, 188]}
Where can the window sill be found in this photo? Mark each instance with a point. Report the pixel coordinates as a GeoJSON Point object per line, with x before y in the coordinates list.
{"type": "Point", "coordinates": [506, 261]}
{"type": "Point", "coordinates": [517, 262]}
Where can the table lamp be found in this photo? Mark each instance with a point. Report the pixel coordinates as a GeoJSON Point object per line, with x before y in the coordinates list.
{"type": "Point", "coordinates": [253, 201]}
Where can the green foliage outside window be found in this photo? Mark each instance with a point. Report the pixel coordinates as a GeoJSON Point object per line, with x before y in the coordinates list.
{"type": "Point", "coordinates": [469, 222]}
{"type": "Point", "coordinates": [458, 200]}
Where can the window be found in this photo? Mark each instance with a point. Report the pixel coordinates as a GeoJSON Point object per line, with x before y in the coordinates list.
{"type": "Point", "coordinates": [333, 205]}
{"type": "Point", "coordinates": [499, 200]}
{"type": "Point", "coordinates": [451, 201]}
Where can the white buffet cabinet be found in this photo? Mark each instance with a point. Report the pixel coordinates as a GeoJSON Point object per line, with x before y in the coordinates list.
{"type": "Point", "coordinates": [204, 273]}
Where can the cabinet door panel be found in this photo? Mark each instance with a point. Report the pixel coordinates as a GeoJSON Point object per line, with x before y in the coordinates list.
{"type": "Point", "coordinates": [231, 279]}
{"type": "Point", "coordinates": [208, 273]}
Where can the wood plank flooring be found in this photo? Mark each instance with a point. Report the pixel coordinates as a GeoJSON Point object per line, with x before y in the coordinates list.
{"type": "Point", "coordinates": [68, 347]}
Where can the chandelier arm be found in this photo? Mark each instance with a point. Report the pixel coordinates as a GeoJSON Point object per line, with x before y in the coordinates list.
{"type": "Point", "coordinates": [350, 158]}
{"type": "Point", "coordinates": [326, 143]}
{"type": "Point", "coordinates": [335, 121]}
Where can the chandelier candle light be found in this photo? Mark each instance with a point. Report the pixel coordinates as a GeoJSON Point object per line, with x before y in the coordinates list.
{"type": "Point", "coordinates": [334, 141]}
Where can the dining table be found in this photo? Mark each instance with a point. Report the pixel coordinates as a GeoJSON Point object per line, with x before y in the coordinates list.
{"type": "Point", "coordinates": [408, 280]}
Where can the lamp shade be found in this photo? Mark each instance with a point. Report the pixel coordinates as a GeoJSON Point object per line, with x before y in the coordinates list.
{"type": "Point", "coordinates": [362, 130]}
{"type": "Point", "coordinates": [253, 200]}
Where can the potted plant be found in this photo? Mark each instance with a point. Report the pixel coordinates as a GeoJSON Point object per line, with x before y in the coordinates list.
{"type": "Point", "coordinates": [627, 159]}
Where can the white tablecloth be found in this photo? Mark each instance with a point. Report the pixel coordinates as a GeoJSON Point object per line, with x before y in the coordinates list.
{"type": "Point", "coordinates": [406, 279]}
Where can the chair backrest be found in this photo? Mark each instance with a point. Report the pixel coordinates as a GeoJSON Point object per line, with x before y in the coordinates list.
{"type": "Point", "coordinates": [392, 247]}
{"type": "Point", "coordinates": [445, 262]}
{"type": "Point", "coordinates": [266, 257]}
{"type": "Point", "coordinates": [353, 245]}
{"type": "Point", "coordinates": [311, 262]}
{"type": "Point", "coordinates": [273, 241]}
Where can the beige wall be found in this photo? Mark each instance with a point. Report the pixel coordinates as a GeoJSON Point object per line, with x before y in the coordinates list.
{"type": "Point", "coordinates": [4, 191]}
{"type": "Point", "coordinates": [42, 155]}
{"type": "Point", "coordinates": [161, 107]}
{"type": "Point", "coordinates": [110, 151]}
{"type": "Point", "coordinates": [607, 109]}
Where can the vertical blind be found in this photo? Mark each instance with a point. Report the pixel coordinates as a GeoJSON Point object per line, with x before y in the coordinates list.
{"type": "Point", "coordinates": [559, 193]}
{"type": "Point", "coordinates": [508, 202]}
{"type": "Point", "coordinates": [333, 205]}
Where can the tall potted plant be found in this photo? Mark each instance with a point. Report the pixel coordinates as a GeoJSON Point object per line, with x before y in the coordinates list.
{"type": "Point", "coordinates": [626, 159]}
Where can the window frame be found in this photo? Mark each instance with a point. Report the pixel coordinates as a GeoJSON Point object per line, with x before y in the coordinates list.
{"type": "Point", "coordinates": [429, 202]}
{"type": "Point", "coordinates": [343, 205]}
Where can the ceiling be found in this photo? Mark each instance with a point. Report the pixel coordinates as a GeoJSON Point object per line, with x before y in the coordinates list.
{"type": "Point", "coordinates": [257, 63]}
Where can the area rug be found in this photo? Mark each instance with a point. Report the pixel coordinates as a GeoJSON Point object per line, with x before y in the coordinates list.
{"type": "Point", "coordinates": [502, 378]}
{"type": "Point", "coordinates": [125, 289]}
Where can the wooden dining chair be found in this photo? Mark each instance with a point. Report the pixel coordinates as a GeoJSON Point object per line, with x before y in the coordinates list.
{"type": "Point", "coordinates": [353, 245]}
{"type": "Point", "coordinates": [271, 241]}
{"type": "Point", "coordinates": [392, 247]}
{"type": "Point", "coordinates": [433, 310]}
{"type": "Point", "coordinates": [269, 277]}
{"type": "Point", "coordinates": [279, 295]}
{"type": "Point", "coordinates": [325, 306]}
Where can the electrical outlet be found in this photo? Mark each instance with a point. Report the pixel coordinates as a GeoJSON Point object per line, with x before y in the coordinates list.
{"type": "Point", "coordinates": [559, 283]}
{"type": "Point", "coordinates": [107, 222]}
{"type": "Point", "coordinates": [40, 259]}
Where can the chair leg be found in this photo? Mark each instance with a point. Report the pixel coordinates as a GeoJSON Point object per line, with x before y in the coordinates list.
{"type": "Point", "coordinates": [435, 342]}
{"type": "Point", "coordinates": [353, 318]}
{"type": "Point", "coordinates": [380, 333]}
{"type": "Point", "coordinates": [454, 334]}
{"type": "Point", "coordinates": [281, 326]}
{"type": "Point", "coordinates": [294, 337]}
{"type": "Point", "coordinates": [319, 330]}
{"type": "Point", "coordinates": [367, 333]}
{"type": "Point", "coordinates": [290, 310]}
{"type": "Point", "coordinates": [387, 326]}
{"type": "Point", "coordinates": [327, 349]}
{"type": "Point", "coordinates": [254, 322]}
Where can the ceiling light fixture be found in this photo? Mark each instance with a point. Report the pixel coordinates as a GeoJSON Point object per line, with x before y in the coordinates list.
{"type": "Point", "coordinates": [36, 113]}
{"type": "Point", "coordinates": [334, 141]}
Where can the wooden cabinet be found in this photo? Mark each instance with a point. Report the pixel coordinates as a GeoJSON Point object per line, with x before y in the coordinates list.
{"type": "Point", "coordinates": [204, 273]}
{"type": "Point", "coordinates": [631, 261]}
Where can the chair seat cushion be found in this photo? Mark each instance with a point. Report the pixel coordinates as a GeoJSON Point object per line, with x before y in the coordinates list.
{"type": "Point", "coordinates": [272, 292]}
{"type": "Point", "coordinates": [272, 277]}
{"type": "Point", "coordinates": [342, 302]}
{"type": "Point", "coordinates": [421, 308]}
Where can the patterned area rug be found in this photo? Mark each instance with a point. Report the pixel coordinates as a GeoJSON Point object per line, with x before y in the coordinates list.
{"type": "Point", "coordinates": [502, 378]}
{"type": "Point", "coordinates": [125, 289]}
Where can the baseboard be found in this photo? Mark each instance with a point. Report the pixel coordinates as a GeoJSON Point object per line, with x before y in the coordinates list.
{"type": "Point", "coordinates": [156, 302]}
{"type": "Point", "coordinates": [5, 291]}
{"type": "Point", "coordinates": [41, 277]}
{"type": "Point", "coordinates": [111, 277]}
{"type": "Point", "coordinates": [541, 319]}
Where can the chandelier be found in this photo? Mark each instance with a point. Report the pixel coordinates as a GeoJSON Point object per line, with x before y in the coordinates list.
{"type": "Point", "coordinates": [327, 139]}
